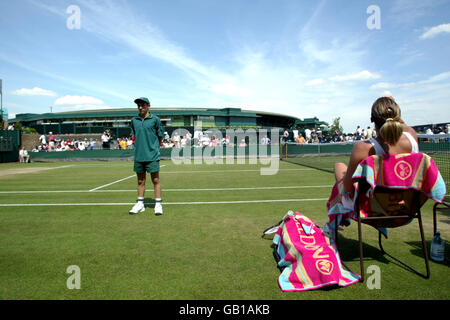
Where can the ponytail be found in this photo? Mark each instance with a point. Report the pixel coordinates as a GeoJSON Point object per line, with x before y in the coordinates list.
{"type": "Point", "coordinates": [391, 131]}
{"type": "Point", "coordinates": [386, 115]}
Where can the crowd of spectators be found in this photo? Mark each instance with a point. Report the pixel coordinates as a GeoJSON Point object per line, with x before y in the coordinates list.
{"type": "Point", "coordinates": [206, 138]}
{"type": "Point", "coordinates": [198, 139]}
{"type": "Point", "coordinates": [317, 136]}
{"type": "Point", "coordinates": [55, 143]}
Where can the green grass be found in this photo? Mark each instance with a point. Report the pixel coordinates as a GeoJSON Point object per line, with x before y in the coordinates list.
{"type": "Point", "coordinates": [193, 251]}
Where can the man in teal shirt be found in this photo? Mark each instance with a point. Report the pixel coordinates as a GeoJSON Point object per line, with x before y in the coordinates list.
{"type": "Point", "coordinates": [147, 134]}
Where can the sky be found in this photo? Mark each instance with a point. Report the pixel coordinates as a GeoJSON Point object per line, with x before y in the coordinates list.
{"type": "Point", "coordinates": [303, 58]}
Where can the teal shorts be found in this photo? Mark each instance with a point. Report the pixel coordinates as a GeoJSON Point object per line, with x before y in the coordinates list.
{"type": "Point", "coordinates": [150, 166]}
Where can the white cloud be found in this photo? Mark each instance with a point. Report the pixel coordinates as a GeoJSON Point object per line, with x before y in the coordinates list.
{"type": "Point", "coordinates": [315, 82]}
{"type": "Point", "coordinates": [386, 93]}
{"type": "Point", "coordinates": [231, 90]}
{"type": "Point", "coordinates": [77, 100]}
{"type": "Point", "coordinates": [34, 92]}
{"type": "Point", "coordinates": [74, 103]}
{"type": "Point", "coordinates": [408, 85]}
{"type": "Point", "coordinates": [363, 75]}
{"type": "Point", "coordinates": [434, 31]}
{"type": "Point", "coordinates": [84, 107]}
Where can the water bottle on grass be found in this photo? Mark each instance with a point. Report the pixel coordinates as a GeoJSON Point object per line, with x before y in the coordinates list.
{"type": "Point", "coordinates": [437, 247]}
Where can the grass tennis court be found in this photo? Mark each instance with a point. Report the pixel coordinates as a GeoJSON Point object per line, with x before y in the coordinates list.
{"type": "Point", "coordinates": [207, 245]}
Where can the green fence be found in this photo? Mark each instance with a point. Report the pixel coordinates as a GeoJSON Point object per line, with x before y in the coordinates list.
{"type": "Point", "coordinates": [9, 145]}
{"type": "Point", "coordinates": [166, 154]}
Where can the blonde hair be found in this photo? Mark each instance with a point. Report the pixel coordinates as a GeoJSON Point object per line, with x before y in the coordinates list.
{"type": "Point", "coordinates": [386, 115]}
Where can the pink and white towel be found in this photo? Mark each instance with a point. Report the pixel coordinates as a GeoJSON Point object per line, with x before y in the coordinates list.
{"type": "Point", "coordinates": [308, 258]}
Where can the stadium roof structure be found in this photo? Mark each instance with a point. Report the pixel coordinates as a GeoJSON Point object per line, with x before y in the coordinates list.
{"type": "Point", "coordinates": [82, 121]}
{"type": "Point", "coordinates": [309, 123]}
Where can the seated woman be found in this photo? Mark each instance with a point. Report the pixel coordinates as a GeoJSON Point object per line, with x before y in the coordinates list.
{"type": "Point", "coordinates": [23, 155]}
{"type": "Point", "coordinates": [393, 136]}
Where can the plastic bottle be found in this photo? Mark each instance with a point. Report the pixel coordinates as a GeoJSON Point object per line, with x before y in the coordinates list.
{"type": "Point", "coordinates": [437, 247]}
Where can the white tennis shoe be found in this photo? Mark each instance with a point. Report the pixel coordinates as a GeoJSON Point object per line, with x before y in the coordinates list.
{"type": "Point", "coordinates": [158, 209]}
{"type": "Point", "coordinates": [138, 207]}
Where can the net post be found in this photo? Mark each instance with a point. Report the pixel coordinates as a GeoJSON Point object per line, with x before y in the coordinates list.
{"type": "Point", "coordinates": [281, 151]}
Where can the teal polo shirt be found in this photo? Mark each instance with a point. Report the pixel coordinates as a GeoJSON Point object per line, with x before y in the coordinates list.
{"type": "Point", "coordinates": [146, 132]}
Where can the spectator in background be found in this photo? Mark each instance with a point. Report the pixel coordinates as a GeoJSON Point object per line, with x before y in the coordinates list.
{"type": "Point", "coordinates": [91, 144]}
{"type": "Point", "coordinates": [188, 137]}
{"type": "Point", "coordinates": [285, 136]}
{"type": "Point", "coordinates": [183, 142]}
{"type": "Point", "coordinates": [213, 141]}
{"type": "Point", "coordinates": [42, 139]}
{"type": "Point", "coordinates": [336, 136]}
{"type": "Point", "coordinates": [166, 137]}
{"type": "Point", "coordinates": [106, 138]}
{"type": "Point", "coordinates": [314, 137]}
{"type": "Point", "coordinates": [51, 141]}
{"type": "Point", "coordinates": [265, 140]}
{"type": "Point", "coordinates": [81, 146]}
{"type": "Point", "coordinates": [129, 143]}
{"type": "Point", "coordinates": [123, 144]}
{"type": "Point", "coordinates": [369, 133]}
{"type": "Point", "coordinates": [24, 157]}
{"type": "Point", "coordinates": [205, 140]}
{"type": "Point", "coordinates": [358, 133]}
{"type": "Point", "coordinates": [226, 140]}
{"type": "Point", "coordinates": [307, 134]}
{"type": "Point", "coordinates": [300, 138]}
{"type": "Point", "coordinates": [196, 137]}
{"type": "Point", "coordinates": [176, 139]}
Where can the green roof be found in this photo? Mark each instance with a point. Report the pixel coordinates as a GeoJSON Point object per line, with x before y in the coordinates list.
{"type": "Point", "coordinates": [130, 112]}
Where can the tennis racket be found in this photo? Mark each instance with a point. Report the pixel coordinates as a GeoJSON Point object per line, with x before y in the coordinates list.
{"type": "Point", "coordinates": [273, 229]}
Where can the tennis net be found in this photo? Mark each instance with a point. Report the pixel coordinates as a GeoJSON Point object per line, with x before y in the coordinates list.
{"type": "Point", "coordinates": [438, 147]}
{"type": "Point", "coordinates": [323, 156]}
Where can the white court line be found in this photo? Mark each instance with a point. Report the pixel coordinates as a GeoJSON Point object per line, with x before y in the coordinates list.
{"type": "Point", "coordinates": [167, 190]}
{"type": "Point", "coordinates": [107, 185]}
{"type": "Point", "coordinates": [165, 203]}
{"type": "Point", "coordinates": [237, 170]}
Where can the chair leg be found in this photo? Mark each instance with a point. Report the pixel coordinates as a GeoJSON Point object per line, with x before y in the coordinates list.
{"type": "Point", "coordinates": [435, 207]}
{"type": "Point", "coordinates": [424, 250]}
{"type": "Point", "coordinates": [336, 232]}
{"type": "Point", "coordinates": [434, 219]}
{"type": "Point", "coordinates": [361, 260]}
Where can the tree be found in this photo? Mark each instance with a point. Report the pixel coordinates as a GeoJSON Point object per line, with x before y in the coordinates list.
{"type": "Point", "coordinates": [336, 125]}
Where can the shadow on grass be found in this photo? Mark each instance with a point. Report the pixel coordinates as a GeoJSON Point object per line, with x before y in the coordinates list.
{"type": "Point", "coordinates": [444, 214]}
{"type": "Point", "coordinates": [417, 251]}
{"type": "Point", "coordinates": [149, 203]}
{"type": "Point", "coordinates": [349, 251]}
